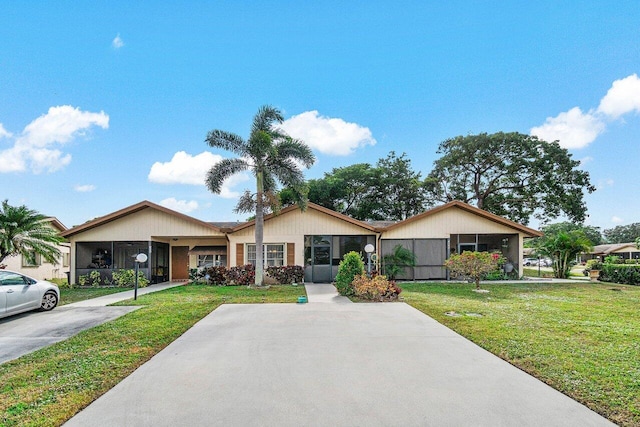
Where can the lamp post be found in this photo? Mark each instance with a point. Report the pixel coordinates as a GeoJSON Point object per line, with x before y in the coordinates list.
{"type": "Point", "coordinates": [139, 258]}
{"type": "Point", "coordinates": [369, 248]}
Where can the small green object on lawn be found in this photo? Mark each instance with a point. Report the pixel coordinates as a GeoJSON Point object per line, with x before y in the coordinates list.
{"type": "Point", "coordinates": [302, 299]}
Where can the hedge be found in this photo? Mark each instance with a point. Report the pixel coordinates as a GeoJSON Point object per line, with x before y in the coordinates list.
{"type": "Point", "coordinates": [620, 273]}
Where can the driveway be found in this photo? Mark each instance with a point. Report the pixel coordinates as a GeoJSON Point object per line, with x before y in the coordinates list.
{"type": "Point", "coordinates": [27, 332]}
{"type": "Point", "coordinates": [329, 364]}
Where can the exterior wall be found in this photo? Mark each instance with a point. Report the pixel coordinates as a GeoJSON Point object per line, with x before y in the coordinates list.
{"type": "Point", "coordinates": [45, 270]}
{"type": "Point", "coordinates": [455, 221]}
{"type": "Point", "coordinates": [143, 225]}
{"type": "Point", "coordinates": [149, 225]}
{"type": "Point", "coordinates": [444, 223]}
{"type": "Point", "coordinates": [291, 227]}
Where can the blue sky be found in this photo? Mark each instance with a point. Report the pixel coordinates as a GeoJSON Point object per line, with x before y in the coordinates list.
{"type": "Point", "coordinates": [105, 104]}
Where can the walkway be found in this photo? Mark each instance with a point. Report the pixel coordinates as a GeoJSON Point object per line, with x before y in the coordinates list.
{"type": "Point", "coordinates": [329, 364]}
{"type": "Point", "coordinates": [324, 293]}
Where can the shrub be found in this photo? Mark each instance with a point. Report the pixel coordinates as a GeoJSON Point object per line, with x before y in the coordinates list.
{"type": "Point", "coordinates": [92, 279]}
{"type": "Point", "coordinates": [632, 261]}
{"type": "Point", "coordinates": [395, 262]}
{"type": "Point", "coordinates": [241, 275]}
{"type": "Point", "coordinates": [285, 275]}
{"type": "Point", "coordinates": [612, 259]}
{"type": "Point", "coordinates": [377, 288]}
{"type": "Point", "coordinates": [620, 273]}
{"type": "Point", "coordinates": [473, 265]}
{"type": "Point", "coordinates": [350, 267]}
{"type": "Point", "coordinates": [126, 278]}
{"type": "Point", "coordinates": [593, 264]}
{"type": "Point", "coordinates": [216, 275]}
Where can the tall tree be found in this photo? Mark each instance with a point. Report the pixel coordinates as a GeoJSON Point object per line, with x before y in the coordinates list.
{"type": "Point", "coordinates": [399, 188]}
{"type": "Point", "coordinates": [26, 232]}
{"type": "Point", "coordinates": [622, 233]}
{"type": "Point", "coordinates": [272, 156]}
{"type": "Point", "coordinates": [510, 174]}
{"type": "Point", "coordinates": [391, 190]}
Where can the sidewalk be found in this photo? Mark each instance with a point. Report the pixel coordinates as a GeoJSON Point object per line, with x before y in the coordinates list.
{"type": "Point", "coordinates": [324, 293]}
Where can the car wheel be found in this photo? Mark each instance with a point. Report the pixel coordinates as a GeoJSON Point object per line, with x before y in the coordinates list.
{"type": "Point", "coordinates": [49, 301]}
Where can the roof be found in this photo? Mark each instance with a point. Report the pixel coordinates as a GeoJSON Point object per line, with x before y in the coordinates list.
{"type": "Point", "coordinates": [130, 210]}
{"type": "Point", "coordinates": [56, 223]}
{"type": "Point", "coordinates": [208, 250]}
{"type": "Point", "coordinates": [612, 247]}
{"type": "Point", "coordinates": [316, 208]}
{"type": "Point", "coordinates": [471, 209]}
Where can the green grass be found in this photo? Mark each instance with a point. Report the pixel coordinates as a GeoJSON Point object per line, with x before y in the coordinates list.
{"type": "Point", "coordinates": [68, 296]}
{"type": "Point", "coordinates": [47, 387]}
{"type": "Point", "coordinates": [582, 339]}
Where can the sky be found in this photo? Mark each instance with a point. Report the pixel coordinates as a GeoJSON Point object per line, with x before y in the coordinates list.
{"type": "Point", "coordinates": [106, 104]}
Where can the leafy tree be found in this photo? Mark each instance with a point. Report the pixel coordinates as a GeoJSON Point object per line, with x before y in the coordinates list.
{"type": "Point", "coordinates": [391, 190]}
{"type": "Point", "coordinates": [473, 264]}
{"type": "Point", "coordinates": [622, 233]}
{"type": "Point", "coordinates": [349, 190]}
{"type": "Point", "coordinates": [26, 232]}
{"type": "Point", "coordinates": [400, 190]}
{"type": "Point", "coordinates": [510, 174]}
{"type": "Point", "coordinates": [350, 267]}
{"type": "Point", "coordinates": [563, 247]}
{"type": "Point", "coordinates": [394, 263]}
{"type": "Point", "coordinates": [592, 233]}
{"type": "Point", "coordinates": [272, 156]}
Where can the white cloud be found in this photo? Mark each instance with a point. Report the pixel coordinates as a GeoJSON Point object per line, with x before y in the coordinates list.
{"type": "Point", "coordinates": [117, 42]}
{"type": "Point", "coordinates": [35, 148]}
{"type": "Point", "coordinates": [575, 129]}
{"type": "Point", "coordinates": [84, 188]}
{"type": "Point", "coordinates": [328, 135]}
{"type": "Point", "coordinates": [184, 168]}
{"type": "Point", "coordinates": [3, 132]}
{"type": "Point", "coordinates": [183, 206]}
{"type": "Point", "coordinates": [616, 219]}
{"type": "Point", "coordinates": [587, 159]}
{"type": "Point", "coordinates": [623, 97]}
{"type": "Point", "coordinates": [572, 129]}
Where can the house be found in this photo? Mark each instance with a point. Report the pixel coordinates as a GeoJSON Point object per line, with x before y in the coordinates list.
{"type": "Point", "coordinates": [622, 250]}
{"type": "Point", "coordinates": [37, 267]}
{"type": "Point", "coordinates": [317, 239]}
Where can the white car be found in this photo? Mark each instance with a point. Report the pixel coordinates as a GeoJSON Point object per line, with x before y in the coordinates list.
{"type": "Point", "coordinates": [19, 293]}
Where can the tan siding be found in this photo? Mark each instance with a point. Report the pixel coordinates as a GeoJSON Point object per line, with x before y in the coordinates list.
{"type": "Point", "coordinates": [143, 225]}
{"type": "Point", "coordinates": [296, 223]}
{"type": "Point", "coordinates": [445, 223]}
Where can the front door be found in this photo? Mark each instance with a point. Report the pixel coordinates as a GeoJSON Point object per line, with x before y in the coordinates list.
{"type": "Point", "coordinates": [180, 263]}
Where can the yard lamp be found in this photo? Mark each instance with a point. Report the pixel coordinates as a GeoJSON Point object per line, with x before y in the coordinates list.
{"type": "Point", "coordinates": [369, 248]}
{"type": "Point", "coordinates": [139, 259]}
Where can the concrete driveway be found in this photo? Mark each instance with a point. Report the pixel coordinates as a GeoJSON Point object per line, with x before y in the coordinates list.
{"type": "Point", "coordinates": [23, 333]}
{"type": "Point", "coordinates": [329, 365]}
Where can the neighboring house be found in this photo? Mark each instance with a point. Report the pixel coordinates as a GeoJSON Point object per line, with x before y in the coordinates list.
{"type": "Point", "coordinates": [316, 239]}
{"type": "Point", "coordinates": [37, 267]}
{"type": "Point", "coordinates": [623, 250]}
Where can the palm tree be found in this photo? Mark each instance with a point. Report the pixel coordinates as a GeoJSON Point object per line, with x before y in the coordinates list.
{"type": "Point", "coordinates": [563, 248]}
{"type": "Point", "coordinates": [272, 156]}
{"type": "Point", "coordinates": [26, 232]}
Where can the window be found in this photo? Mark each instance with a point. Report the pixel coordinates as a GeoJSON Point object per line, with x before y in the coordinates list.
{"type": "Point", "coordinates": [205, 261]}
{"type": "Point", "coordinates": [65, 259]}
{"type": "Point", "coordinates": [8, 278]}
{"type": "Point", "coordinates": [273, 254]}
{"type": "Point", "coordinates": [31, 259]}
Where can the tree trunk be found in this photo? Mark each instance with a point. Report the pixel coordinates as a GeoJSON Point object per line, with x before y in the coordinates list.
{"type": "Point", "coordinates": [259, 230]}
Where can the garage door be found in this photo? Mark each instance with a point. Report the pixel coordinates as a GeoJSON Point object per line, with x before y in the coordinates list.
{"type": "Point", "coordinates": [430, 256]}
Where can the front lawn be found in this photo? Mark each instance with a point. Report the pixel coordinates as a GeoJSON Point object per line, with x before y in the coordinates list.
{"type": "Point", "coordinates": [68, 296]}
{"type": "Point", "coordinates": [582, 339]}
{"type": "Point", "coordinates": [47, 387]}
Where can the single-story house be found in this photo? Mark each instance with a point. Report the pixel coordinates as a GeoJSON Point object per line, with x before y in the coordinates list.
{"type": "Point", "coordinates": [622, 250]}
{"type": "Point", "coordinates": [316, 239]}
{"type": "Point", "coordinates": [39, 268]}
